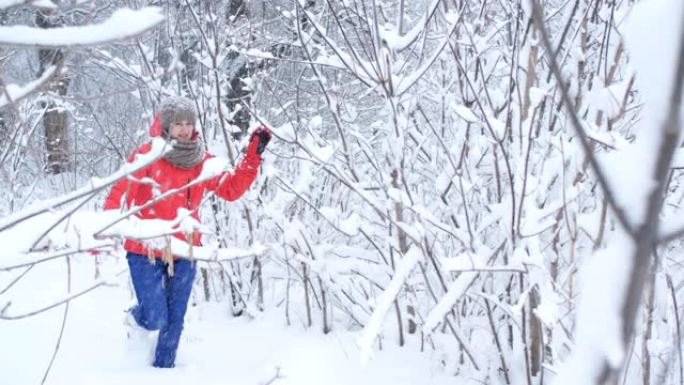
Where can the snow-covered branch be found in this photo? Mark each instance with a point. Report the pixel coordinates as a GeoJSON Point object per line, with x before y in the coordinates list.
{"type": "Point", "coordinates": [123, 24]}
{"type": "Point", "coordinates": [14, 93]}
{"type": "Point", "coordinates": [159, 147]}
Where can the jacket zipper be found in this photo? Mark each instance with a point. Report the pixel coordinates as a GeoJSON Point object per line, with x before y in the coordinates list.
{"type": "Point", "coordinates": [188, 194]}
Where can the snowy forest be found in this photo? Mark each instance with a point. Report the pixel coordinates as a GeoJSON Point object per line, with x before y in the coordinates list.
{"type": "Point", "coordinates": [456, 191]}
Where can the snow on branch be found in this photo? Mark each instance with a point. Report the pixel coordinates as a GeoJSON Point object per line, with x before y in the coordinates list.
{"type": "Point", "coordinates": [95, 230]}
{"type": "Point", "coordinates": [45, 4]}
{"type": "Point", "coordinates": [599, 339]}
{"type": "Point", "coordinates": [399, 42]}
{"type": "Point", "coordinates": [212, 168]}
{"type": "Point", "coordinates": [597, 167]}
{"type": "Point", "coordinates": [407, 82]}
{"type": "Point", "coordinates": [384, 301]}
{"type": "Point", "coordinates": [456, 291]}
{"type": "Point", "coordinates": [362, 69]}
{"type": "Point", "coordinates": [159, 147]}
{"type": "Point", "coordinates": [123, 24]}
{"type": "Point", "coordinates": [13, 93]}
{"type": "Point", "coordinates": [77, 236]}
{"type": "Point", "coordinates": [606, 322]}
{"type": "Point", "coordinates": [106, 281]}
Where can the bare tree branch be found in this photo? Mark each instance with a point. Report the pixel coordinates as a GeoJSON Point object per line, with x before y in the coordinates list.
{"type": "Point", "coordinates": [15, 94]}
{"type": "Point", "coordinates": [100, 185]}
{"type": "Point", "coordinates": [14, 317]}
{"type": "Point", "coordinates": [574, 119]}
{"type": "Point", "coordinates": [61, 330]}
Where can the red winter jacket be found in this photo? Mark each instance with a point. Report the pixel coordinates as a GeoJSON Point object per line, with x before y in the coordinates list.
{"type": "Point", "coordinates": [131, 192]}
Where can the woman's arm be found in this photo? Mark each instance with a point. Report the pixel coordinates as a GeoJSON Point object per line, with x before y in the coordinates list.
{"type": "Point", "coordinates": [232, 185]}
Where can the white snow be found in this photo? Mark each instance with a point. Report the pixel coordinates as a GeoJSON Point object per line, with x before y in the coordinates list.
{"type": "Point", "coordinates": [123, 23]}
{"type": "Point", "coordinates": [464, 112]}
{"type": "Point", "coordinates": [599, 318]}
{"type": "Point", "coordinates": [351, 224]}
{"type": "Point", "coordinates": [404, 83]}
{"type": "Point", "coordinates": [215, 347]}
{"type": "Point", "coordinates": [214, 167]}
{"type": "Point", "coordinates": [37, 3]}
{"type": "Point", "coordinates": [384, 301]}
{"type": "Point", "coordinates": [537, 95]}
{"type": "Point", "coordinates": [258, 53]}
{"type": "Point", "coordinates": [159, 147]}
{"type": "Point", "coordinates": [497, 126]}
{"type": "Point", "coordinates": [398, 42]}
{"type": "Point", "coordinates": [654, 82]}
{"type": "Point", "coordinates": [456, 291]}
{"type": "Point", "coordinates": [322, 152]}
{"type": "Point", "coordinates": [76, 234]}
{"type": "Point", "coordinates": [604, 277]}
{"type": "Point", "coordinates": [646, 43]}
{"type": "Point", "coordinates": [678, 161]}
{"type": "Point", "coordinates": [17, 92]}
{"type": "Point", "coordinates": [469, 262]}
{"type": "Point", "coordinates": [307, 211]}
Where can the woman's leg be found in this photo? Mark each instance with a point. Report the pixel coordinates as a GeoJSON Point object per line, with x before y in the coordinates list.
{"type": "Point", "coordinates": [178, 289]}
{"type": "Point", "coordinates": [151, 312]}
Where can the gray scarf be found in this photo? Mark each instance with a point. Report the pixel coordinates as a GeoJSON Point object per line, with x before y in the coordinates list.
{"type": "Point", "coordinates": [185, 153]}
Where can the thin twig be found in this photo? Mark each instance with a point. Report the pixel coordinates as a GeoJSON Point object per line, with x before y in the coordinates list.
{"type": "Point", "coordinates": [61, 330]}
{"type": "Point", "coordinates": [17, 279]}
{"type": "Point", "coordinates": [504, 367]}
{"type": "Point", "coordinates": [64, 216]}
{"type": "Point", "coordinates": [68, 299]}
{"type": "Point", "coordinates": [50, 257]}
{"type": "Point", "coordinates": [276, 376]}
{"type": "Point", "coordinates": [20, 217]}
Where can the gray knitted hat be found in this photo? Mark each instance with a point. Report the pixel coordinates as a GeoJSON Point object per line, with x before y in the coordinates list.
{"type": "Point", "coordinates": [176, 109]}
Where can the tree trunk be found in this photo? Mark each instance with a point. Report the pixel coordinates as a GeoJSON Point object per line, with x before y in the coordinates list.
{"type": "Point", "coordinates": [237, 95]}
{"type": "Point", "coordinates": [55, 120]}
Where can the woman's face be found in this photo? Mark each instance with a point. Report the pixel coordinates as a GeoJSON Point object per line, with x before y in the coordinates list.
{"type": "Point", "coordinates": [181, 130]}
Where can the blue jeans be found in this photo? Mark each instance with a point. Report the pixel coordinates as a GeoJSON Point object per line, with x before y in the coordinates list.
{"type": "Point", "coordinates": [162, 301]}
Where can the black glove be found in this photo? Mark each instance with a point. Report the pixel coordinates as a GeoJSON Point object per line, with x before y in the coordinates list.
{"type": "Point", "coordinates": [258, 141]}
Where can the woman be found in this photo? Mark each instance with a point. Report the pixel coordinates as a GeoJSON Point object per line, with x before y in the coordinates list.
{"type": "Point", "coordinates": [163, 283]}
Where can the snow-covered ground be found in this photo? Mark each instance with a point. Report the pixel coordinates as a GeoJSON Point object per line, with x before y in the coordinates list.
{"type": "Point", "coordinates": [216, 348]}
